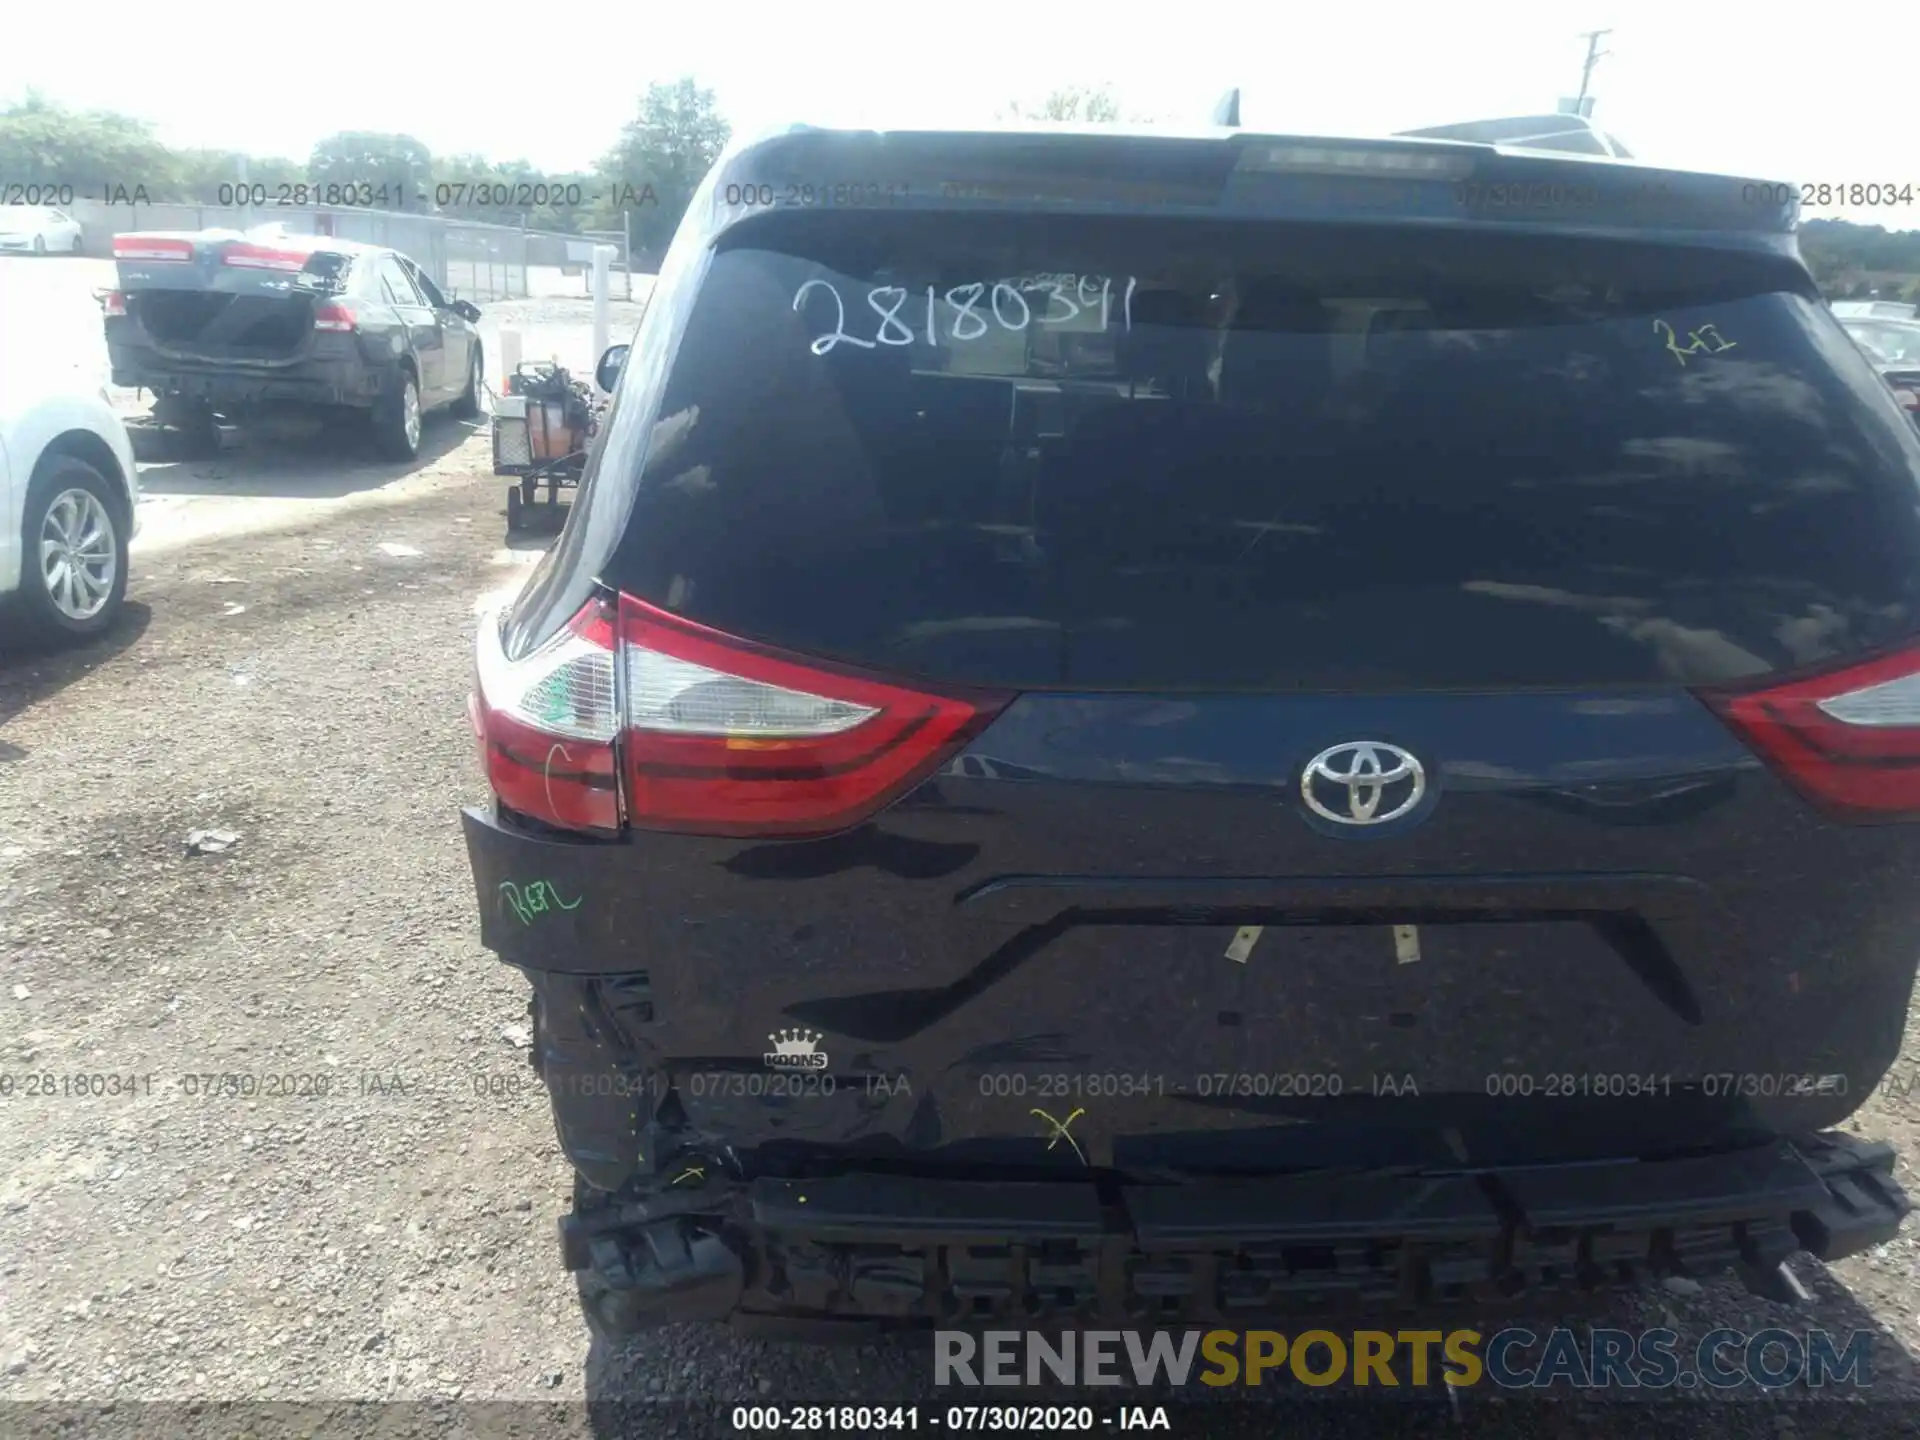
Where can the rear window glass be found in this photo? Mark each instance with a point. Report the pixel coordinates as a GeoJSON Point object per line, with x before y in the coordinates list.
{"type": "Point", "coordinates": [1040, 451]}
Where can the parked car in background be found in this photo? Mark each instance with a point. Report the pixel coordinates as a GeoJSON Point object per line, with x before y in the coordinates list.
{"type": "Point", "coordinates": [39, 229]}
{"type": "Point", "coordinates": [1874, 310]}
{"type": "Point", "coordinates": [1894, 348]}
{"type": "Point", "coordinates": [221, 324]}
{"type": "Point", "coordinates": [68, 491]}
{"type": "Point", "coordinates": [1202, 819]}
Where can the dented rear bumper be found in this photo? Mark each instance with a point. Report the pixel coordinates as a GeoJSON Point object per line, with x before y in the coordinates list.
{"type": "Point", "coordinates": [881, 1186]}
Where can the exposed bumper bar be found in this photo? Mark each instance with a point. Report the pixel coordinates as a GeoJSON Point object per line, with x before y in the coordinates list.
{"type": "Point", "coordinates": [869, 1247]}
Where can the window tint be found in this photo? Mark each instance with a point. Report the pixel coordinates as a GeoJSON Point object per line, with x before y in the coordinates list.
{"type": "Point", "coordinates": [399, 285]}
{"type": "Point", "coordinates": [1182, 455]}
{"type": "Point", "coordinates": [424, 284]}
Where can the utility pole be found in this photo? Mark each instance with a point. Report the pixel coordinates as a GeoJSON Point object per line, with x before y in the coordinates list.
{"type": "Point", "coordinates": [1594, 54]}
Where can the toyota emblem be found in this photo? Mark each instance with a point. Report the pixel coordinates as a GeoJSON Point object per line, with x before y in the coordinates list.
{"type": "Point", "coordinates": [1362, 782]}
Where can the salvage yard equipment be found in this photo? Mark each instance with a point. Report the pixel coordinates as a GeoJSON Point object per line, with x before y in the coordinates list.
{"type": "Point", "coordinates": [541, 429]}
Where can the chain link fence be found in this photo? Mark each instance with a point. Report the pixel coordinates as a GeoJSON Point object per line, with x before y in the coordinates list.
{"type": "Point", "coordinates": [468, 259]}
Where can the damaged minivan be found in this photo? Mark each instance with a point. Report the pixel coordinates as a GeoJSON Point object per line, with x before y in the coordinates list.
{"type": "Point", "coordinates": [1195, 727]}
{"type": "Point", "coordinates": [225, 326]}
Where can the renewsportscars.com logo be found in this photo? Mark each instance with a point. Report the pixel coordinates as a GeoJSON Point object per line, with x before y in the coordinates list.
{"type": "Point", "coordinates": [1512, 1359]}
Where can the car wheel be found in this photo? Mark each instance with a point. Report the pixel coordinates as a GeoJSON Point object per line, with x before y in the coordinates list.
{"type": "Point", "coordinates": [74, 561]}
{"type": "Point", "coordinates": [468, 405]}
{"type": "Point", "coordinates": [396, 420]}
{"type": "Point", "coordinates": [516, 511]}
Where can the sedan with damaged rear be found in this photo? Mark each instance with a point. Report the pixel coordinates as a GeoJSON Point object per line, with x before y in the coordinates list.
{"type": "Point", "coordinates": [223, 325]}
{"type": "Point", "coordinates": [1198, 725]}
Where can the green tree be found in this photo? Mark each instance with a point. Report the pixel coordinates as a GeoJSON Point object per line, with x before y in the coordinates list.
{"type": "Point", "coordinates": [547, 197]}
{"type": "Point", "coordinates": [203, 172]}
{"type": "Point", "coordinates": [42, 143]}
{"type": "Point", "coordinates": [661, 157]}
{"type": "Point", "coordinates": [399, 163]}
{"type": "Point", "coordinates": [1094, 105]}
{"type": "Point", "coordinates": [1833, 249]}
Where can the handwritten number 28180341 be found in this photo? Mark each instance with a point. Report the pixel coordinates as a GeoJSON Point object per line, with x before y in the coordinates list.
{"type": "Point", "coordinates": [1005, 306]}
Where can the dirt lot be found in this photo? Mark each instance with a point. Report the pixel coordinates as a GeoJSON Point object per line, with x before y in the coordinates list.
{"type": "Point", "coordinates": [384, 1232]}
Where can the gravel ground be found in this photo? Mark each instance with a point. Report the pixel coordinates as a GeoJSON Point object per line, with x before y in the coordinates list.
{"type": "Point", "coordinates": [384, 1233]}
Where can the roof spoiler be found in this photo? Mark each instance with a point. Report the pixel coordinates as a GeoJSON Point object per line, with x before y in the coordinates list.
{"type": "Point", "coordinates": [1574, 134]}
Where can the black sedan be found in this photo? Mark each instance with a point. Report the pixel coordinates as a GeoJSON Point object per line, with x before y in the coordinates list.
{"type": "Point", "coordinates": [224, 324]}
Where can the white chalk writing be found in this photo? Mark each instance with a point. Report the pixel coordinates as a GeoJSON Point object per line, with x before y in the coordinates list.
{"type": "Point", "coordinates": [1063, 300]}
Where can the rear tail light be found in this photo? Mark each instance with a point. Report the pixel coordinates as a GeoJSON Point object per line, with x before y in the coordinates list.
{"type": "Point", "coordinates": [114, 302]}
{"type": "Point", "coordinates": [725, 737]}
{"type": "Point", "coordinates": [332, 315]}
{"type": "Point", "coordinates": [547, 723]}
{"type": "Point", "coordinates": [262, 257]}
{"type": "Point", "coordinates": [151, 247]}
{"type": "Point", "coordinates": [1848, 739]}
{"type": "Point", "coordinates": [714, 735]}
{"type": "Point", "coordinates": [1908, 399]}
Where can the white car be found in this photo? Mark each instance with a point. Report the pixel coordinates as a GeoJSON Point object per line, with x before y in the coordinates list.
{"type": "Point", "coordinates": [40, 229]}
{"type": "Point", "coordinates": [68, 496]}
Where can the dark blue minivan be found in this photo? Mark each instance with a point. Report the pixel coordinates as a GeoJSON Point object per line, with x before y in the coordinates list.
{"type": "Point", "coordinates": [1197, 726]}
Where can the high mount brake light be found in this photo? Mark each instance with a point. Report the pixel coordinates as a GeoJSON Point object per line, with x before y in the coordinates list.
{"type": "Point", "coordinates": [1848, 739]}
{"type": "Point", "coordinates": [714, 735]}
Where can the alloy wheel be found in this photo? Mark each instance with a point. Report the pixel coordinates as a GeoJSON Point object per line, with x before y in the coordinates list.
{"type": "Point", "coordinates": [77, 554]}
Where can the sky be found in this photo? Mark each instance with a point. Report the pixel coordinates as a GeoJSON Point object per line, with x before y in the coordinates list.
{"type": "Point", "coordinates": [1698, 84]}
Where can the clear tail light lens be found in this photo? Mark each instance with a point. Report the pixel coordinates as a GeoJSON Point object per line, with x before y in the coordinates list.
{"type": "Point", "coordinates": [547, 723]}
{"type": "Point", "coordinates": [1848, 739]}
{"type": "Point", "coordinates": [731, 738]}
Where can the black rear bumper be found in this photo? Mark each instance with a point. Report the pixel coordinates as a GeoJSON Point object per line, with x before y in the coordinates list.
{"type": "Point", "coordinates": [869, 1248]}
{"type": "Point", "coordinates": [314, 382]}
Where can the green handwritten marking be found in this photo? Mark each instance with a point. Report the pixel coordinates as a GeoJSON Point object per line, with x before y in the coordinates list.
{"type": "Point", "coordinates": [534, 899]}
{"type": "Point", "coordinates": [1704, 341]}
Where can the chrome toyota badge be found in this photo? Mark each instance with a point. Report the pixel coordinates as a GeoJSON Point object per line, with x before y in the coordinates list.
{"type": "Point", "coordinates": [1363, 782]}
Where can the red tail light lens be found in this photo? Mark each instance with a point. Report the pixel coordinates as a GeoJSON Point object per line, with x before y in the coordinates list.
{"type": "Point", "coordinates": [705, 733]}
{"type": "Point", "coordinates": [1849, 739]}
{"type": "Point", "coordinates": [725, 737]}
{"type": "Point", "coordinates": [333, 316]}
{"type": "Point", "coordinates": [114, 302]}
{"type": "Point", "coordinates": [151, 247]}
{"type": "Point", "coordinates": [546, 723]}
{"type": "Point", "coordinates": [262, 257]}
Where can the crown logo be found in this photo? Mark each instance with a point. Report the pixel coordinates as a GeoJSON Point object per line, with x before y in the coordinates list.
{"type": "Point", "coordinates": [794, 1050]}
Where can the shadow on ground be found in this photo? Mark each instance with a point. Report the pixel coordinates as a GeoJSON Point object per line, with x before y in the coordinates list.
{"type": "Point", "coordinates": [299, 461]}
{"type": "Point", "coordinates": [672, 1379]}
{"type": "Point", "coordinates": [31, 670]}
